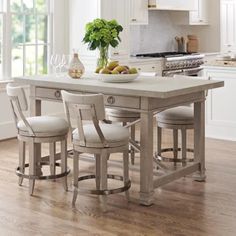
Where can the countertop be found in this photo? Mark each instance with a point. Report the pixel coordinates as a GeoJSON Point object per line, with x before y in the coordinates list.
{"type": "Point", "coordinates": [151, 86]}
{"type": "Point", "coordinates": [220, 64]}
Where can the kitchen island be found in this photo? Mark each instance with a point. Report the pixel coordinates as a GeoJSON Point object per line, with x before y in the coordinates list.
{"type": "Point", "coordinates": [146, 95]}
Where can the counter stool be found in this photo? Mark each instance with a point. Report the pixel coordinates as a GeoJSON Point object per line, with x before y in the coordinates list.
{"type": "Point", "coordinates": [178, 118]}
{"type": "Point", "coordinates": [99, 137]}
{"type": "Point", "coordinates": [124, 117]}
{"type": "Point", "coordinates": [37, 130]}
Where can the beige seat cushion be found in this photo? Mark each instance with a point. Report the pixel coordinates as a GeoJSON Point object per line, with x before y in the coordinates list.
{"type": "Point", "coordinates": [114, 134]}
{"type": "Point", "coordinates": [177, 115]}
{"type": "Point", "coordinates": [123, 114]}
{"type": "Point", "coordinates": [44, 126]}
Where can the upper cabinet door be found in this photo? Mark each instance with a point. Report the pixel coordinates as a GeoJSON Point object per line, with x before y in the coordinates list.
{"type": "Point", "coordinates": [228, 26]}
{"type": "Point", "coordinates": [200, 15]}
{"type": "Point", "coordinates": [118, 10]}
{"type": "Point", "coordinates": [174, 5]}
{"type": "Point", "coordinates": [138, 12]}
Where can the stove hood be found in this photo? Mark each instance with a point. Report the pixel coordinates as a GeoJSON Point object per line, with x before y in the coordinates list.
{"type": "Point", "coordinates": [172, 5]}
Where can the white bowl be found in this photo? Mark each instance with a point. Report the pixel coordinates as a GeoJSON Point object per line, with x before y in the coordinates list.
{"type": "Point", "coordinates": [116, 78]}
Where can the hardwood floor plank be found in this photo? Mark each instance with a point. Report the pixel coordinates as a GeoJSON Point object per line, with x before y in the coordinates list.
{"type": "Point", "coordinates": [183, 207]}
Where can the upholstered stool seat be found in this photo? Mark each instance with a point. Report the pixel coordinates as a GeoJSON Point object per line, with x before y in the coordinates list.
{"type": "Point", "coordinates": [44, 126]}
{"type": "Point", "coordinates": [122, 114]}
{"type": "Point", "coordinates": [115, 136]}
{"type": "Point", "coordinates": [177, 115]}
{"type": "Point", "coordinates": [178, 118]}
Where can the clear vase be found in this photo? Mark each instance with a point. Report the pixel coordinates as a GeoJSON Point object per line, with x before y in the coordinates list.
{"type": "Point", "coordinates": [103, 57]}
{"type": "Point", "coordinates": [76, 67]}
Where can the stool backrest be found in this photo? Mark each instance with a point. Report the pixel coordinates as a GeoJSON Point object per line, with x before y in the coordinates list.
{"type": "Point", "coordinates": [85, 108]}
{"type": "Point", "coordinates": [19, 104]}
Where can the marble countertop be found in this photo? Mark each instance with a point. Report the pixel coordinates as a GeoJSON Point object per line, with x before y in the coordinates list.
{"type": "Point", "coordinates": [151, 86]}
{"type": "Point", "coordinates": [220, 63]}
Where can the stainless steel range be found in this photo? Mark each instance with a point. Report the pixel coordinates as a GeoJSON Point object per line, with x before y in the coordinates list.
{"type": "Point", "coordinates": [178, 63]}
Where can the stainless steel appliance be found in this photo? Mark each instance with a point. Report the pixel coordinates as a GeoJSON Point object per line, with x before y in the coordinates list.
{"type": "Point", "coordinates": [178, 63]}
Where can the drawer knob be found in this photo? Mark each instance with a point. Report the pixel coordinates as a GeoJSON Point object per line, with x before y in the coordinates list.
{"type": "Point", "coordinates": [57, 94]}
{"type": "Point", "coordinates": [111, 100]}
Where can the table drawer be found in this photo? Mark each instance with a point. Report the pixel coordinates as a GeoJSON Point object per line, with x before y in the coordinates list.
{"type": "Point", "coordinates": [47, 93]}
{"type": "Point", "coordinates": [109, 100]}
{"type": "Point", "coordinates": [54, 94]}
{"type": "Point", "coordinates": [122, 101]}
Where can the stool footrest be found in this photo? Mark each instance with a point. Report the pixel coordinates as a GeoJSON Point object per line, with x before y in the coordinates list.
{"type": "Point", "coordinates": [42, 177]}
{"type": "Point", "coordinates": [171, 159]}
{"type": "Point", "coordinates": [105, 191]}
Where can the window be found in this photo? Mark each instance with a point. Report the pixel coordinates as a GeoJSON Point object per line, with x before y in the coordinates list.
{"type": "Point", "coordinates": [25, 38]}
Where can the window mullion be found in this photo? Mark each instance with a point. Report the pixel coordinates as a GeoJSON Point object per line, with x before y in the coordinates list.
{"type": "Point", "coordinates": [7, 42]}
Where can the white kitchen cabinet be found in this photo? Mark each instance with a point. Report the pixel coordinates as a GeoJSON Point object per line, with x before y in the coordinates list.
{"type": "Point", "coordinates": [118, 10]}
{"type": "Point", "coordinates": [138, 12]}
{"type": "Point", "coordinates": [200, 15]}
{"type": "Point", "coordinates": [147, 66]}
{"type": "Point", "coordinates": [228, 26]}
{"type": "Point", "coordinates": [220, 108]}
{"type": "Point", "coordinates": [82, 12]}
{"type": "Point", "coordinates": [172, 5]}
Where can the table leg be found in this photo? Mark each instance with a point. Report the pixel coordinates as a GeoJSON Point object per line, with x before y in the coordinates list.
{"type": "Point", "coordinates": [146, 159]}
{"type": "Point", "coordinates": [199, 139]}
{"type": "Point", "coordinates": [35, 110]}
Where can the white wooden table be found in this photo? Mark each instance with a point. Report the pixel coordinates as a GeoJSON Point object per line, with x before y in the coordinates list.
{"type": "Point", "coordinates": [145, 95]}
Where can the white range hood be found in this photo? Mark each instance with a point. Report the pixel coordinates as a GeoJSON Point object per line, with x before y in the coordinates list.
{"type": "Point", "coordinates": [172, 5]}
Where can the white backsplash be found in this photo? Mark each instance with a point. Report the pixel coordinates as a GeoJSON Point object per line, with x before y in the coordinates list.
{"type": "Point", "coordinates": [158, 35]}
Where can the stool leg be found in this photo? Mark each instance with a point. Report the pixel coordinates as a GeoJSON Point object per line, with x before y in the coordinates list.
{"type": "Point", "coordinates": [132, 135]}
{"type": "Point", "coordinates": [64, 162]}
{"type": "Point", "coordinates": [184, 144]}
{"type": "Point", "coordinates": [104, 157]}
{"type": "Point", "coordinates": [21, 160]}
{"type": "Point", "coordinates": [159, 140]}
{"type": "Point", "coordinates": [175, 141]}
{"type": "Point", "coordinates": [32, 165]}
{"type": "Point", "coordinates": [75, 176]}
{"type": "Point", "coordinates": [126, 171]}
{"type": "Point", "coordinates": [52, 152]}
{"type": "Point", "coordinates": [98, 171]}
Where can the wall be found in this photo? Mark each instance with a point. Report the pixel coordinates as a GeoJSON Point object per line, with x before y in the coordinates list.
{"type": "Point", "coordinates": [61, 45]}
{"type": "Point", "coordinates": [160, 33]}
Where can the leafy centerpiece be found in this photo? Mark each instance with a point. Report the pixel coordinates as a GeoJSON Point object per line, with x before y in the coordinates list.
{"type": "Point", "coordinates": [100, 34]}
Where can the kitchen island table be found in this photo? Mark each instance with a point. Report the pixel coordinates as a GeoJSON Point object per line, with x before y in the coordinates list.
{"type": "Point", "coordinates": [146, 95]}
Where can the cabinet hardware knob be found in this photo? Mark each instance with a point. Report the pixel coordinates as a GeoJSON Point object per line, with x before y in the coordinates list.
{"type": "Point", "coordinates": [153, 67]}
{"type": "Point", "coordinates": [139, 68]}
{"type": "Point", "coordinates": [57, 94]}
{"type": "Point", "coordinates": [111, 100]}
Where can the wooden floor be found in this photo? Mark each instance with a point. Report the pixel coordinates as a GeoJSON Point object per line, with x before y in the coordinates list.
{"type": "Point", "coordinates": [181, 208]}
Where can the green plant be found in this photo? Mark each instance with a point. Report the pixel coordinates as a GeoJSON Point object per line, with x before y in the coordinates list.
{"type": "Point", "coordinates": [100, 34]}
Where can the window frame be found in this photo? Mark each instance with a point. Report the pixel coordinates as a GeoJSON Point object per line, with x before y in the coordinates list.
{"type": "Point", "coordinates": [7, 45]}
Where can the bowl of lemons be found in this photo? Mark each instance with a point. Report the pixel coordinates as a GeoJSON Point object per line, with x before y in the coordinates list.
{"type": "Point", "coordinates": [116, 73]}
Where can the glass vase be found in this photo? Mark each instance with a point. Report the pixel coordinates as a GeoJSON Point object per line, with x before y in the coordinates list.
{"type": "Point", "coordinates": [103, 57]}
{"type": "Point", "coordinates": [76, 68]}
